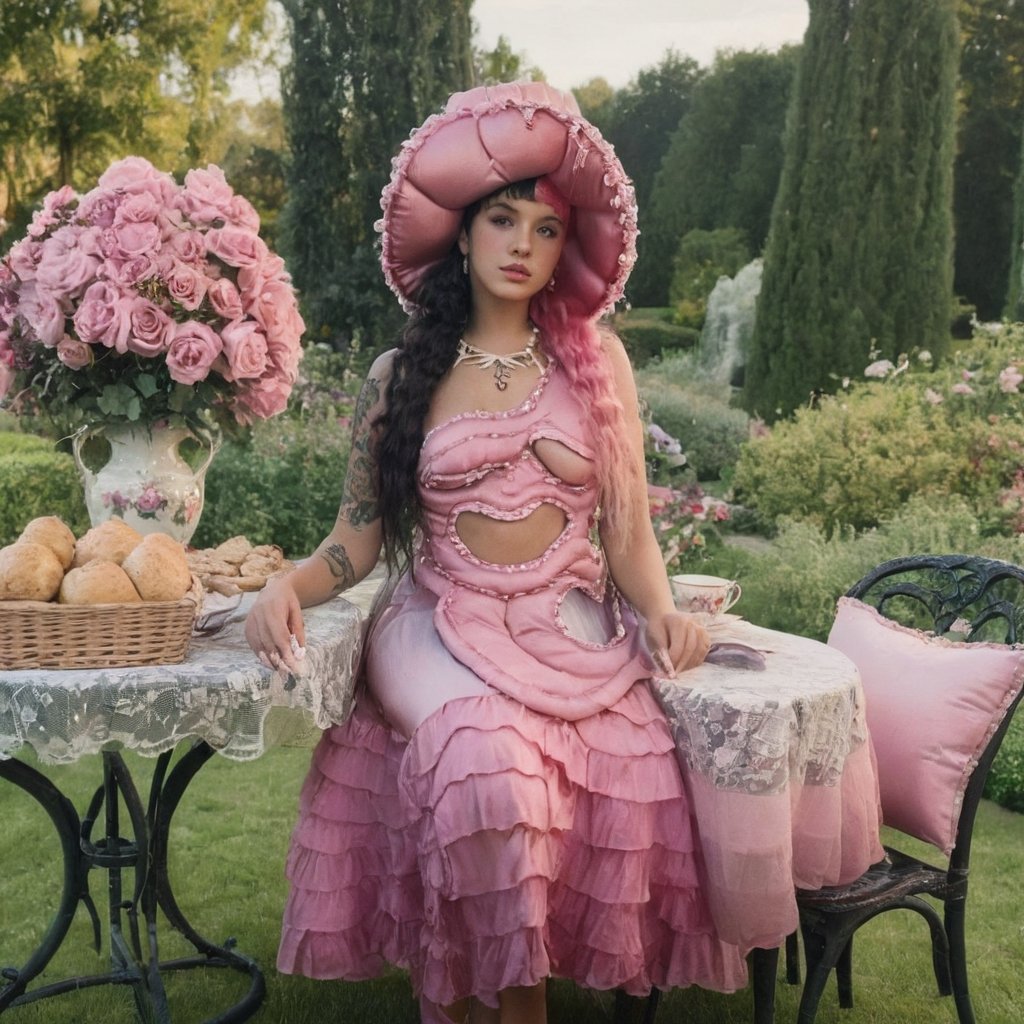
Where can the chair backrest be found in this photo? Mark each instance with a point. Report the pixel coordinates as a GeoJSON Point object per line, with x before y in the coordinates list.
{"type": "Point", "coordinates": [938, 710]}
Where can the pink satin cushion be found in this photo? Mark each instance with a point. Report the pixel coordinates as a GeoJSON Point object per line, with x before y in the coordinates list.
{"type": "Point", "coordinates": [932, 705]}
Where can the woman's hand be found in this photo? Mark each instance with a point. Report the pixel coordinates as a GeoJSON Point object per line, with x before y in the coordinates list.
{"type": "Point", "coordinates": [677, 642]}
{"type": "Point", "coordinates": [274, 620]}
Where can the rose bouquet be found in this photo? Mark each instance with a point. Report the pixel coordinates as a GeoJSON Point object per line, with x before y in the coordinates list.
{"type": "Point", "coordinates": [146, 301]}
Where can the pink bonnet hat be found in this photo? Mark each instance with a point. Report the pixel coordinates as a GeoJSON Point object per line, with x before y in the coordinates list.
{"type": "Point", "coordinates": [492, 136]}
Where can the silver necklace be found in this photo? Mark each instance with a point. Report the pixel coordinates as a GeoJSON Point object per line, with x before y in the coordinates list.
{"type": "Point", "coordinates": [501, 365]}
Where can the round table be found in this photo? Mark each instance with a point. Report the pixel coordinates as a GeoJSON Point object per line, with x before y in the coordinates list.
{"type": "Point", "coordinates": [218, 700]}
{"type": "Point", "coordinates": [781, 776]}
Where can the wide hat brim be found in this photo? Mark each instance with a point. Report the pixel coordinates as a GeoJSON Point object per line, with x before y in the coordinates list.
{"type": "Point", "coordinates": [492, 136]}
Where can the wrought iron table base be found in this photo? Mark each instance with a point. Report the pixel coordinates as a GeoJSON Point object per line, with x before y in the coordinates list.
{"type": "Point", "coordinates": [146, 854]}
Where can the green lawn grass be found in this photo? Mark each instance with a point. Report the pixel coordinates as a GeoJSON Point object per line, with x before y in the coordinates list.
{"type": "Point", "coordinates": [228, 847]}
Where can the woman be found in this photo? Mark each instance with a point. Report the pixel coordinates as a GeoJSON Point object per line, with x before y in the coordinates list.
{"type": "Point", "coordinates": [504, 804]}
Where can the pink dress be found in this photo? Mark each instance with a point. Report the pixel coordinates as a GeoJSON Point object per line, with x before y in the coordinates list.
{"type": "Point", "coordinates": [516, 809]}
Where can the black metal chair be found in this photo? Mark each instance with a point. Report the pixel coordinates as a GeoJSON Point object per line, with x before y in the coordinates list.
{"type": "Point", "coordinates": [977, 599]}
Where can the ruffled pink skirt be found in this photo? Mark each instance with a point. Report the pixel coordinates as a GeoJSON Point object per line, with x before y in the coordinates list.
{"type": "Point", "coordinates": [498, 846]}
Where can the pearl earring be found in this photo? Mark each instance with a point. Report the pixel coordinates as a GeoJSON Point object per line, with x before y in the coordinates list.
{"type": "Point", "coordinates": [465, 264]}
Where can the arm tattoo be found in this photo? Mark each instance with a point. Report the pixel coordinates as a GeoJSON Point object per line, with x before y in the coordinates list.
{"type": "Point", "coordinates": [359, 504]}
{"type": "Point", "coordinates": [340, 565]}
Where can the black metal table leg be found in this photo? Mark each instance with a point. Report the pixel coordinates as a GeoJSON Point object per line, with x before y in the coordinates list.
{"type": "Point", "coordinates": [146, 854]}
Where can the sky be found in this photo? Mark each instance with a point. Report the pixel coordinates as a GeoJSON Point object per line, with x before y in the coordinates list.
{"type": "Point", "coordinates": [573, 41]}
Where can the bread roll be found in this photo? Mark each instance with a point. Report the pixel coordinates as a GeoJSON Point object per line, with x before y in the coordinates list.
{"type": "Point", "coordinates": [29, 572]}
{"type": "Point", "coordinates": [98, 582]}
{"type": "Point", "coordinates": [52, 532]}
{"type": "Point", "coordinates": [159, 569]}
{"type": "Point", "coordinates": [110, 541]}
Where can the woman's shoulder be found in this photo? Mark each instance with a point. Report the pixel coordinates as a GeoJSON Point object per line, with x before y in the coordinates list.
{"type": "Point", "coordinates": [382, 367]}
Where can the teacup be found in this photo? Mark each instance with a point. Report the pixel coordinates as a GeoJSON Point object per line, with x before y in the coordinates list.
{"type": "Point", "coordinates": [707, 595]}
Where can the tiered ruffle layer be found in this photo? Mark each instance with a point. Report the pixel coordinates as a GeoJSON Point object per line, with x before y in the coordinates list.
{"type": "Point", "coordinates": [499, 846]}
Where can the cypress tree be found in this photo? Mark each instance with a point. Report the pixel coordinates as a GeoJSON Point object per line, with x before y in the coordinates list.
{"type": "Point", "coordinates": [1015, 285]}
{"type": "Point", "coordinates": [858, 263]}
{"type": "Point", "coordinates": [363, 74]}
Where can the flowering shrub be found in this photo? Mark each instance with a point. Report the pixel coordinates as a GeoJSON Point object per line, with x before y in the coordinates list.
{"type": "Point", "coordinates": [910, 428]}
{"type": "Point", "coordinates": [144, 301]}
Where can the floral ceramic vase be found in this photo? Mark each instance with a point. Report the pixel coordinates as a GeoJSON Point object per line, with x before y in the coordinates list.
{"type": "Point", "coordinates": [144, 481]}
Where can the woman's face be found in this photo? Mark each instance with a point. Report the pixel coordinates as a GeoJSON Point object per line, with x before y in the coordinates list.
{"type": "Point", "coordinates": [513, 246]}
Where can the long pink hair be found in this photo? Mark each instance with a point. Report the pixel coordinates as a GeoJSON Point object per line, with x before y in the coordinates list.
{"type": "Point", "coordinates": [575, 342]}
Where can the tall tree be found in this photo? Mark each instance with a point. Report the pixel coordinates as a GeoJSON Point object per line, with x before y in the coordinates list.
{"type": "Point", "coordinates": [354, 89]}
{"type": "Point", "coordinates": [989, 144]}
{"type": "Point", "coordinates": [859, 254]}
{"type": "Point", "coordinates": [1015, 288]}
{"type": "Point", "coordinates": [722, 165]}
{"type": "Point", "coordinates": [639, 123]}
{"type": "Point", "coordinates": [82, 82]}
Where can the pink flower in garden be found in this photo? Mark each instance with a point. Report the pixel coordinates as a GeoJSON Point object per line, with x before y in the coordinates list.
{"type": "Point", "coordinates": [99, 207]}
{"type": "Point", "coordinates": [188, 246]}
{"type": "Point", "coordinates": [967, 374]}
{"type": "Point", "coordinates": [242, 214]}
{"type": "Point", "coordinates": [135, 238]}
{"type": "Point", "coordinates": [74, 354]}
{"type": "Point", "coordinates": [127, 273]}
{"type": "Point", "coordinates": [245, 348]}
{"type": "Point", "coordinates": [1010, 380]}
{"type": "Point", "coordinates": [962, 389]}
{"type": "Point", "coordinates": [933, 396]}
{"type": "Point", "coordinates": [192, 351]}
{"type": "Point", "coordinates": [24, 258]}
{"type": "Point", "coordinates": [252, 278]}
{"type": "Point", "coordinates": [273, 307]}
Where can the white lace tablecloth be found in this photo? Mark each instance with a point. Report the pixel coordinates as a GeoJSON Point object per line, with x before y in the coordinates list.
{"type": "Point", "coordinates": [780, 774]}
{"type": "Point", "coordinates": [220, 694]}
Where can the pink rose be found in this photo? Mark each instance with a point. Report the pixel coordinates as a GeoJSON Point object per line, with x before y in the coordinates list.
{"type": "Point", "coordinates": [236, 247]}
{"type": "Point", "coordinates": [128, 273]}
{"type": "Point", "coordinates": [192, 352]}
{"type": "Point", "coordinates": [1010, 380]}
{"type": "Point", "coordinates": [135, 174]}
{"type": "Point", "coordinates": [284, 357]}
{"type": "Point", "coordinates": [150, 500]}
{"type": "Point", "coordinates": [152, 330]}
{"type": "Point", "coordinates": [69, 260]}
{"type": "Point", "coordinates": [273, 306]}
{"type": "Point", "coordinates": [206, 196]}
{"type": "Point", "coordinates": [103, 316]}
{"type": "Point", "coordinates": [252, 279]}
{"type": "Point", "coordinates": [74, 354]}
{"type": "Point", "coordinates": [242, 214]}
{"type": "Point", "coordinates": [140, 208]}
{"type": "Point", "coordinates": [43, 313]}
{"type": "Point", "coordinates": [136, 238]}
{"type": "Point", "coordinates": [262, 399]}
{"type": "Point", "coordinates": [245, 347]}
{"type": "Point", "coordinates": [24, 258]}
{"type": "Point", "coordinates": [188, 245]}
{"type": "Point", "coordinates": [98, 207]}
{"type": "Point", "coordinates": [186, 286]}
{"type": "Point", "coordinates": [224, 298]}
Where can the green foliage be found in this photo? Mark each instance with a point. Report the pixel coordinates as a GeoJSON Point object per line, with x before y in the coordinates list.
{"type": "Point", "coordinates": [36, 481]}
{"type": "Point", "coordinates": [639, 122]}
{"type": "Point", "coordinates": [353, 91]}
{"type": "Point", "coordinates": [989, 142]}
{"type": "Point", "coordinates": [858, 456]}
{"type": "Point", "coordinates": [688, 406]}
{"type": "Point", "coordinates": [702, 258]}
{"type": "Point", "coordinates": [722, 165]}
{"type": "Point", "coordinates": [794, 583]}
{"type": "Point", "coordinates": [1005, 784]}
{"type": "Point", "coordinates": [282, 483]}
{"type": "Point", "coordinates": [859, 254]}
{"type": "Point", "coordinates": [1015, 284]}
{"type": "Point", "coordinates": [647, 333]}
{"type": "Point", "coordinates": [82, 83]}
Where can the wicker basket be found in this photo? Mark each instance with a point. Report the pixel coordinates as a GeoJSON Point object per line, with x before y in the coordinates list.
{"type": "Point", "coordinates": [38, 634]}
